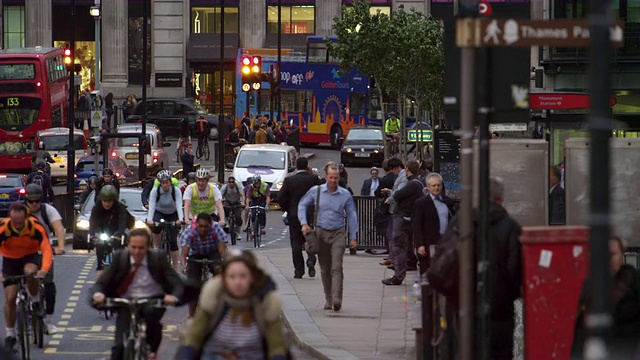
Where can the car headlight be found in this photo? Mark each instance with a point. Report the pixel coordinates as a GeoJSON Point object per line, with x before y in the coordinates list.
{"type": "Point", "coordinates": [82, 224]}
{"type": "Point", "coordinates": [375, 151]}
{"type": "Point", "coordinates": [349, 150]}
{"type": "Point", "coordinates": [279, 185]}
{"type": "Point", "coordinates": [139, 224]}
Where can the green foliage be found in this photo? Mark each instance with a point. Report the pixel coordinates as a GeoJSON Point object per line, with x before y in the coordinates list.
{"type": "Point", "coordinates": [402, 53]}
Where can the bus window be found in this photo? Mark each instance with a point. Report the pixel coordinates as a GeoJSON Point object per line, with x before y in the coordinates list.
{"type": "Point", "coordinates": [289, 100]}
{"type": "Point", "coordinates": [264, 101]}
{"type": "Point", "coordinates": [304, 101]}
{"type": "Point", "coordinates": [18, 112]}
{"type": "Point", "coordinates": [357, 101]}
{"type": "Point", "coordinates": [56, 117]}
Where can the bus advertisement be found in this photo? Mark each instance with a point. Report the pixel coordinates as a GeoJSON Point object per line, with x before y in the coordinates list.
{"type": "Point", "coordinates": [319, 98]}
{"type": "Point", "coordinates": [34, 96]}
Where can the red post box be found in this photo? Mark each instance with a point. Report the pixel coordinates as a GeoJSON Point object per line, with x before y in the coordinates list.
{"type": "Point", "coordinates": [555, 264]}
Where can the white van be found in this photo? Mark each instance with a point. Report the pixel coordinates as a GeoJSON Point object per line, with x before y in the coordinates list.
{"type": "Point", "coordinates": [56, 141]}
{"type": "Point", "coordinates": [272, 162]}
{"type": "Point", "coordinates": [127, 148]}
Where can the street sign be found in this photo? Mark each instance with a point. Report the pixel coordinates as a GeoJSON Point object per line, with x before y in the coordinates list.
{"type": "Point", "coordinates": [96, 118]}
{"type": "Point", "coordinates": [527, 33]}
{"type": "Point", "coordinates": [554, 101]}
{"type": "Point", "coordinates": [484, 8]}
{"type": "Point", "coordinates": [427, 135]}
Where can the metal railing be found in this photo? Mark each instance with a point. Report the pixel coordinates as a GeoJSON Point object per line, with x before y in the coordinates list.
{"type": "Point", "coordinates": [370, 235]}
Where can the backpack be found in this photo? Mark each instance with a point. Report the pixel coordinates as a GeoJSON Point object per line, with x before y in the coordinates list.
{"type": "Point", "coordinates": [443, 273]}
{"type": "Point", "coordinates": [173, 193]}
{"type": "Point", "coordinates": [45, 217]}
{"type": "Point", "coordinates": [38, 179]}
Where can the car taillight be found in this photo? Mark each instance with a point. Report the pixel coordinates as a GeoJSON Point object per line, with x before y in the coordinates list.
{"type": "Point", "coordinates": [155, 157]}
{"type": "Point", "coordinates": [75, 176]}
{"type": "Point", "coordinates": [117, 175]}
{"type": "Point", "coordinates": [113, 154]}
{"type": "Point", "coordinates": [21, 191]}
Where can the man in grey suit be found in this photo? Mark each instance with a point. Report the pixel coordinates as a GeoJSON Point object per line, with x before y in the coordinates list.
{"type": "Point", "coordinates": [371, 184]}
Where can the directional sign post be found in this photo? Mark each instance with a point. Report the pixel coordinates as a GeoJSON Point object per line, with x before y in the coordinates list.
{"type": "Point", "coordinates": [427, 135]}
{"type": "Point", "coordinates": [527, 33]}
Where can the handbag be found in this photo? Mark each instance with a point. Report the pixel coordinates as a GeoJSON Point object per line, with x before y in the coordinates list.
{"type": "Point", "coordinates": [312, 241]}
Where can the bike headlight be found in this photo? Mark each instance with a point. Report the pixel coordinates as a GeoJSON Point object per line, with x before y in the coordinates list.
{"type": "Point", "coordinates": [104, 237]}
{"type": "Point", "coordinates": [82, 224]}
{"type": "Point", "coordinates": [139, 224]}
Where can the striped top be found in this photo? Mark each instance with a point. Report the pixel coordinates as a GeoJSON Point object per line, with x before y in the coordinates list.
{"type": "Point", "coordinates": [233, 337]}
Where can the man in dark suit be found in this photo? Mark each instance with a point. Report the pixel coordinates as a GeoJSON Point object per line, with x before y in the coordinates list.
{"type": "Point", "coordinates": [371, 184]}
{"type": "Point", "coordinates": [430, 218]}
{"type": "Point", "coordinates": [556, 197]}
{"type": "Point", "coordinates": [293, 189]}
{"type": "Point", "coordinates": [138, 272]}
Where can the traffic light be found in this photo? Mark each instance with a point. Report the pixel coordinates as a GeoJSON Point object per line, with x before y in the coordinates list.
{"type": "Point", "coordinates": [256, 71]}
{"type": "Point", "coordinates": [68, 59]}
{"type": "Point", "coordinates": [245, 64]}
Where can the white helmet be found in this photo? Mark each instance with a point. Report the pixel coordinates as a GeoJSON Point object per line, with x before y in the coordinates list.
{"type": "Point", "coordinates": [164, 175]}
{"type": "Point", "coordinates": [202, 174]}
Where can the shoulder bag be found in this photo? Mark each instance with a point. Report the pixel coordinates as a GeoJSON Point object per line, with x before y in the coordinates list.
{"type": "Point", "coordinates": [312, 241]}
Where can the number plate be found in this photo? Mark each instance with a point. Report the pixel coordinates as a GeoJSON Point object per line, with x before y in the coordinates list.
{"type": "Point", "coordinates": [131, 156]}
{"type": "Point", "coordinates": [4, 196]}
{"type": "Point", "coordinates": [58, 159]}
{"type": "Point", "coordinates": [362, 154]}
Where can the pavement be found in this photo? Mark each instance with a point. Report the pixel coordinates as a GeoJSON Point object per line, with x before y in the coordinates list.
{"type": "Point", "coordinates": [374, 322]}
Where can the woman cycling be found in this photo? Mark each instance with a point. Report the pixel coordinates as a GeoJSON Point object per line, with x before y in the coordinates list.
{"type": "Point", "coordinates": [165, 203]}
{"type": "Point", "coordinates": [109, 217]}
{"type": "Point", "coordinates": [238, 315]}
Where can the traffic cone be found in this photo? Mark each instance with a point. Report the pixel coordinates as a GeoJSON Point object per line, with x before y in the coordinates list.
{"type": "Point", "coordinates": [85, 128]}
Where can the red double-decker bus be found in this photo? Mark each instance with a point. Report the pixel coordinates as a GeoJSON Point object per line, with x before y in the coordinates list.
{"type": "Point", "coordinates": [34, 95]}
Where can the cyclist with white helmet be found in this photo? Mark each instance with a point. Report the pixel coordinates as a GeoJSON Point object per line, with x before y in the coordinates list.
{"type": "Point", "coordinates": [207, 199]}
{"type": "Point", "coordinates": [165, 203]}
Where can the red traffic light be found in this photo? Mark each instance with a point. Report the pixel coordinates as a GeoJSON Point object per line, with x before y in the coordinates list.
{"type": "Point", "coordinates": [256, 60]}
{"type": "Point", "coordinates": [67, 52]}
{"type": "Point", "coordinates": [246, 60]}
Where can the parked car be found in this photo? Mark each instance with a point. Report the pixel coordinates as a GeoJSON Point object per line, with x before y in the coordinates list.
{"type": "Point", "coordinates": [86, 168]}
{"type": "Point", "coordinates": [12, 189]}
{"type": "Point", "coordinates": [168, 113]}
{"type": "Point", "coordinates": [127, 148]}
{"type": "Point", "coordinates": [131, 197]}
{"type": "Point", "coordinates": [364, 145]}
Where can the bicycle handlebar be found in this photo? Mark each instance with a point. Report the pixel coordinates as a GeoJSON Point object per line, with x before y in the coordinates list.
{"type": "Point", "coordinates": [165, 223]}
{"type": "Point", "coordinates": [22, 277]}
{"type": "Point", "coordinates": [204, 261]}
{"type": "Point", "coordinates": [258, 207]}
{"type": "Point", "coordinates": [122, 302]}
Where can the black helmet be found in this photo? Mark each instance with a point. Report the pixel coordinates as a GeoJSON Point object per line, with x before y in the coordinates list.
{"type": "Point", "coordinates": [107, 171]}
{"type": "Point", "coordinates": [33, 191]}
{"type": "Point", "coordinates": [108, 192]}
{"type": "Point", "coordinates": [191, 176]}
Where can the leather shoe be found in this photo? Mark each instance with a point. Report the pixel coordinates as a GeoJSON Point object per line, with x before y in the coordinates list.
{"type": "Point", "coordinates": [297, 276]}
{"type": "Point", "coordinates": [312, 268]}
{"type": "Point", "coordinates": [328, 306]}
{"type": "Point", "coordinates": [386, 262]}
{"type": "Point", "coordinates": [392, 281]}
{"type": "Point", "coordinates": [337, 306]}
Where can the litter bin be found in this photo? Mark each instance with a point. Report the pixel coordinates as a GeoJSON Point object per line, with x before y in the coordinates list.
{"type": "Point", "coordinates": [555, 264]}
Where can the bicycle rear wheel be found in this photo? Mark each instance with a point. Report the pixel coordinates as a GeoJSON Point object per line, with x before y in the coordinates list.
{"type": "Point", "coordinates": [24, 330]}
{"type": "Point", "coordinates": [199, 151]}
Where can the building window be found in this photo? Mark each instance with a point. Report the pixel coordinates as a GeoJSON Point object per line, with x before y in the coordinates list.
{"type": "Point", "coordinates": [13, 28]}
{"type": "Point", "coordinates": [373, 9]}
{"type": "Point", "coordinates": [295, 19]}
{"type": "Point", "coordinates": [207, 20]}
{"type": "Point", "coordinates": [571, 9]}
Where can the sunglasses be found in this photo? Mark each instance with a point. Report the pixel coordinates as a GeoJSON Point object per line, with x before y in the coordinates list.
{"type": "Point", "coordinates": [34, 201]}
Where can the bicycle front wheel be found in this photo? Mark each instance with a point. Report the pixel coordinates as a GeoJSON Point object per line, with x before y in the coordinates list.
{"type": "Point", "coordinates": [129, 350]}
{"type": "Point", "coordinates": [256, 232]}
{"type": "Point", "coordinates": [142, 350]}
{"type": "Point", "coordinates": [37, 325]}
{"type": "Point", "coordinates": [199, 151]}
{"type": "Point", "coordinates": [207, 152]}
{"type": "Point", "coordinates": [24, 330]}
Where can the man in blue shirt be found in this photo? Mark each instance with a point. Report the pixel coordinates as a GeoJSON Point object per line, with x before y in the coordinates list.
{"type": "Point", "coordinates": [203, 239]}
{"type": "Point", "coordinates": [334, 203]}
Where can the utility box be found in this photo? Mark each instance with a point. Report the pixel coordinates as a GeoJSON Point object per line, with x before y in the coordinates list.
{"type": "Point", "coordinates": [555, 265]}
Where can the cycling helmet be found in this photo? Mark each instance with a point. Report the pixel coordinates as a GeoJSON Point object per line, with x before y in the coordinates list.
{"type": "Point", "coordinates": [257, 178]}
{"type": "Point", "coordinates": [33, 191]}
{"type": "Point", "coordinates": [202, 174]}
{"type": "Point", "coordinates": [107, 172]}
{"type": "Point", "coordinates": [164, 175]}
{"type": "Point", "coordinates": [191, 176]}
{"type": "Point", "coordinates": [108, 192]}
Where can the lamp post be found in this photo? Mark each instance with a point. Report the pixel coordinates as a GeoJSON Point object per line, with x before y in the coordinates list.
{"type": "Point", "coordinates": [95, 12]}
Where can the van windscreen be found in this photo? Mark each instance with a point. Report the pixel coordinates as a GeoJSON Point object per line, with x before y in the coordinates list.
{"type": "Point", "coordinates": [61, 142]}
{"type": "Point", "coordinates": [261, 158]}
{"type": "Point", "coordinates": [131, 141]}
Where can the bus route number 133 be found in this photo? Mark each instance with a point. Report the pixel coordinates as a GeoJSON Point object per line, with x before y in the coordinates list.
{"type": "Point", "coordinates": [13, 101]}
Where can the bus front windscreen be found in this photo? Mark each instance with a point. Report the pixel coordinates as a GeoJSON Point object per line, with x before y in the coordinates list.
{"type": "Point", "coordinates": [18, 112]}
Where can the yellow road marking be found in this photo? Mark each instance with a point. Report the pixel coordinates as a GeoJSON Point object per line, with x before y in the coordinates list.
{"type": "Point", "coordinates": [65, 316]}
{"type": "Point", "coordinates": [69, 310]}
{"type": "Point", "coordinates": [71, 304]}
{"type": "Point", "coordinates": [54, 342]}
{"type": "Point", "coordinates": [63, 323]}
{"type": "Point", "coordinates": [75, 292]}
{"type": "Point", "coordinates": [74, 298]}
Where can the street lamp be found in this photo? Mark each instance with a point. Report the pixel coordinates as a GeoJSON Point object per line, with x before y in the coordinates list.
{"type": "Point", "coordinates": [95, 12]}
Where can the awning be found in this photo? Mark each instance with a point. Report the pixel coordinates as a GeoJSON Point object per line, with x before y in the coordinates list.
{"type": "Point", "coordinates": [206, 47]}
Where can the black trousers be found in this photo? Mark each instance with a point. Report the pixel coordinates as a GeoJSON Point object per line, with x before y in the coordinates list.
{"type": "Point", "coordinates": [297, 246]}
{"type": "Point", "coordinates": [50, 290]}
{"type": "Point", "coordinates": [151, 316]}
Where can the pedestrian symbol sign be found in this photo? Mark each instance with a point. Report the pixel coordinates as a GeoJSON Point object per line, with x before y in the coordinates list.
{"type": "Point", "coordinates": [427, 135]}
{"type": "Point", "coordinates": [96, 118]}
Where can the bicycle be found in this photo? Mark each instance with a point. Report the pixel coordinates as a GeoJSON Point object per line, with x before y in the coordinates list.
{"type": "Point", "coordinates": [165, 241]}
{"type": "Point", "coordinates": [203, 148]}
{"type": "Point", "coordinates": [205, 267]}
{"type": "Point", "coordinates": [231, 221]}
{"type": "Point", "coordinates": [26, 315]}
{"type": "Point", "coordinates": [253, 231]}
{"type": "Point", "coordinates": [135, 347]}
{"type": "Point", "coordinates": [181, 147]}
{"type": "Point", "coordinates": [107, 242]}
{"type": "Point", "coordinates": [393, 140]}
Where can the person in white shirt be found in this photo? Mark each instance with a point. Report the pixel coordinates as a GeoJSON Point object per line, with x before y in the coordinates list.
{"type": "Point", "coordinates": [208, 199]}
{"type": "Point", "coordinates": [165, 203]}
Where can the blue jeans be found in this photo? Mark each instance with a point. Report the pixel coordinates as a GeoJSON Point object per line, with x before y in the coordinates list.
{"type": "Point", "coordinates": [262, 216]}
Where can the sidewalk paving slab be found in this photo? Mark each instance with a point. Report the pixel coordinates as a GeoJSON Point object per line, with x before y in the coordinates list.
{"type": "Point", "coordinates": [374, 322]}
